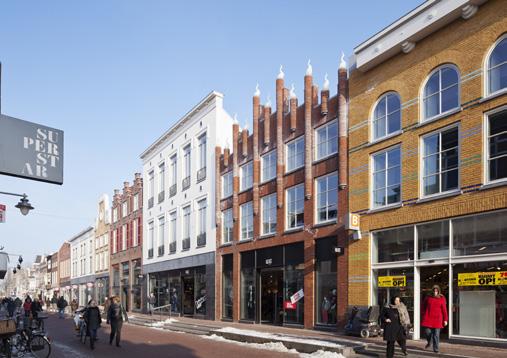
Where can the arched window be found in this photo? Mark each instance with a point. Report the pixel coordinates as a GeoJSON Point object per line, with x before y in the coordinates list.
{"type": "Point", "coordinates": [497, 67]}
{"type": "Point", "coordinates": [387, 115]}
{"type": "Point", "coordinates": [441, 92]}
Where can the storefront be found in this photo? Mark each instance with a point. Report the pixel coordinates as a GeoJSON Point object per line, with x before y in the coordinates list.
{"type": "Point", "coordinates": [465, 256]}
{"type": "Point", "coordinates": [186, 290]}
{"type": "Point", "coordinates": [101, 288]}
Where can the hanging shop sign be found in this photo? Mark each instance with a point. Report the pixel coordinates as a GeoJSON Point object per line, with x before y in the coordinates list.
{"type": "Point", "coordinates": [392, 281]}
{"type": "Point", "coordinates": [30, 150]}
{"type": "Point", "coordinates": [498, 278]}
{"type": "Point", "coordinates": [297, 296]}
{"type": "Point", "coordinates": [2, 213]}
{"type": "Point", "coordinates": [288, 305]}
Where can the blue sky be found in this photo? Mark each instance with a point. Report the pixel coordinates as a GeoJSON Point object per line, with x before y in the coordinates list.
{"type": "Point", "coordinates": [115, 74]}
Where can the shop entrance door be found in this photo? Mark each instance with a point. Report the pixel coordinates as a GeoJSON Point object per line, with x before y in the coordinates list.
{"type": "Point", "coordinates": [271, 296]}
{"type": "Point", "coordinates": [435, 275]}
{"type": "Point", "coordinates": [188, 295]}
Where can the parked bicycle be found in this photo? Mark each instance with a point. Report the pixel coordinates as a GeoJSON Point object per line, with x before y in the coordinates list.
{"type": "Point", "coordinates": [23, 339]}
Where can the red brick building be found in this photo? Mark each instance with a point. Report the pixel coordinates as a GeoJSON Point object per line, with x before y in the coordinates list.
{"type": "Point", "coordinates": [125, 273]}
{"type": "Point", "coordinates": [281, 238]}
{"type": "Point", "coordinates": [64, 271]}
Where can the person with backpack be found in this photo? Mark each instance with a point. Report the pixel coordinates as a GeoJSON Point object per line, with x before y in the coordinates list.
{"type": "Point", "coordinates": [116, 315]}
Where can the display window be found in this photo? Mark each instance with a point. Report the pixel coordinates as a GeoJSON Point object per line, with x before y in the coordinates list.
{"type": "Point", "coordinates": [227, 292]}
{"type": "Point", "coordinates": [325, 281]}
{"type": "Point", "coordinates": [389, 283]}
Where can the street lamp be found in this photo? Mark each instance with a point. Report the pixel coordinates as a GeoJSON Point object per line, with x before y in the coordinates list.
{"type": "Point", "coordinates": [24, 205]}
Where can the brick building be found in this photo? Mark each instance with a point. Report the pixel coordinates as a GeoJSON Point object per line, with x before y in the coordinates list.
{"type": "Point", "coordinates": [281, 241]}
{"type": "Point", "coordinates": [427, 147]}
{"type": "Point", "coordinates": [64, 271]}
{"type": "Point", "coordinates": [52, 282]}
{"type": "Point", "coordinates": [126, 279]}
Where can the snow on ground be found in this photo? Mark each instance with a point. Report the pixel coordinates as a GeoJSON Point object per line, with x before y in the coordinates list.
{"type": "Point", "coordinates": [277, 336]}
{"type": "Point", "coordinates": [276, 347]}
{"type": "Point", "coordinates": [162, 323]}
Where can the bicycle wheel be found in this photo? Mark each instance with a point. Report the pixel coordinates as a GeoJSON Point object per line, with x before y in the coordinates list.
{"type": "Point", "coordinates": [40, 346]}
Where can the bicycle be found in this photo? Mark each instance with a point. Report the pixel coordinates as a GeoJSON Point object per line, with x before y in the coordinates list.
{"type": "Point", "coordinates": [25, 341]}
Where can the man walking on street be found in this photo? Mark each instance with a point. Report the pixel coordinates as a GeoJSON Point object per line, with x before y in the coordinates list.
{"type": "Point", "coordinates": [61, 304]}
{"type": "Point", "coordinates": [116, 315]}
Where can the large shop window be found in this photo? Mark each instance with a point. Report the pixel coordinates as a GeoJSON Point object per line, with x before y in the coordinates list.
{"type": "Point", "coordinates": [325, 277]}
{"type": "Point", "coordinates": [480, 234]}
{"type": "Point", "coordinates": [480, 299]}
{"type": "Point", "coordinates": [386, 177]}
{"type": "Point", "coordinates": [433, 240]}
{"type": "Point", "coordinates": [497, 67]}
{"type": "Point", "coordinates": [294, 283]}
{"type": "Point", "coordinates": [248, 291]}
{"type": "Point", "coordinates": [497, 145]}
{"type": "Point", "coordinates": [441, 161]}
{"type": "Point", "coordinates": [389, 283]}
{"type": "Point", "coordinates": [137, 280]}
{"type": "Point", "coordinates": [200, 291]}
{"type": "Point", "coordinates": [227, 292]}
{"type": "Point", "coordinates": [394, 245]}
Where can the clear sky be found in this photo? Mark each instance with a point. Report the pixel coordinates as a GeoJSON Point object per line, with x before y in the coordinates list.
{"type": "Point", "coordinates": [115, 74]}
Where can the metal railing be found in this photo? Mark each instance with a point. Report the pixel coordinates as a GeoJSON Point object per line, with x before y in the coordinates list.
{"type": "Point", "coordinates": [159, 309]}
{"type": "Point", "coordinates": [150, 253]}
{"type": "Point", "coordinates": [201, 174]}
{"type": "Point", "coordinates": [186, 243]}
{"type": "Point", "coordinates": [186, 183]}
{"type": "Point", "coordinates": [172, 247]}
{"type": "Point", "coordinates": [161, 196]}
{"type": "Point", "coordinates": [201, 239]}
{"type": "Point", "coordinates": [150, 202]}
{"type": "Point", "coordinates": [172, 190]}
{"type": "Point", "coordinates": [161, 250]}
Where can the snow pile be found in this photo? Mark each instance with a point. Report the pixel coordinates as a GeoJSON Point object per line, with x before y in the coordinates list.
{"type": "Point", "coordinates": [321, 354]}
{"type": "Point", "coordinates": [271, 346]}
{"type": "Point", "coordinates": [162, 323]}
{"type": "Point", "coordinates": [277, 337]}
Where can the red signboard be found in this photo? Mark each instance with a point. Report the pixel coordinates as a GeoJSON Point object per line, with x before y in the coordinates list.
{"type": "Point", "coordinates": [2, 213]}
{"type": "Point", "coordinates": [288, 305]}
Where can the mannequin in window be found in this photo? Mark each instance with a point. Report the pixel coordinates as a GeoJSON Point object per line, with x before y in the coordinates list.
{"type": "Point", "coordinates": [250, 301]}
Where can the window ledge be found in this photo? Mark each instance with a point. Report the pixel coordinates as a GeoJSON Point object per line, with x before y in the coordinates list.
{"type": "Point", "coordinates": [267, 236]}
{"type": "Point", "coordinates": [226, 244]}
{"type": "Point", "coordinates": [317, 161]}
{"type": "Point", "coordinates": [389, 136]}
{"type": "Point", "coordinates": [267, 181]}
{"type": "Point", "coordinates": [183, 250]}
{"type": "Point", "coordinates": [245, 190]}
{"type": "Point", "coordinates": [294, 170]}
{"type": "Point", "coordinates": [296, 229]}
{"type": "Point", "coordinates": [495, 184]}
{"type": "Point", "coordinates": [493, 95]}
{"type": "Point", "coordinates": [385, 208]}
{"type": "Point", "coordinates": [439, 196]}
{"type": "Point", "coordinates": [325, 223]}
{"type": "Point", "coordinates": [438, 117]}
{"type": "Point", "coordinates": [244, 241]}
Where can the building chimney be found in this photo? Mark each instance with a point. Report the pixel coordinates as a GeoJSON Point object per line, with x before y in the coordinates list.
{"type": "Point", "coordinates": [227, 152]}
{"type": "Point", "coordinates": [235, 170]}
{"type": "Point", "coordinates": [324, 97]}
{"type": "Point", "coordinates": [267, 121]}
{"type": "Point", "coordinates": [315, 95]}
{"type": "Point", "coordinates": [279, 138]}
{"type": "Point", "coordinates": [256, 159]}
{"type": "Point", "coordinates": [244, 142]}
{"type": "Point", "coordinates": [293, 109]}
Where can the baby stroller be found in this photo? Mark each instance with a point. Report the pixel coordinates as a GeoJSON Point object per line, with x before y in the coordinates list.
{"type": "Point", "coordinates": [364, 323]}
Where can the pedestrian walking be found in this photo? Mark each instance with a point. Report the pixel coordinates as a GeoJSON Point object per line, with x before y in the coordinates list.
{"type": "Point", "coordinates": [93, 321]}
{"type": "Point", "coordinates": [27, 306]}
{"type": "Point", "coordinates": [396, 321]}
{"type": "Point", "coordinates": [434, 317]}
{"type": "Point", "coordinates": [61, 304]}
{"type": "Point", "coordinates": [116, 315]}
{"type": "Point", "coordinates": [74, 306]}
{"type": "Point", "coordinates": [107, 303]}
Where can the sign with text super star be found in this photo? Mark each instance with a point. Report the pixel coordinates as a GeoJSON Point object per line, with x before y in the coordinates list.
{"type": "Point", "coordinates": [30, 150]}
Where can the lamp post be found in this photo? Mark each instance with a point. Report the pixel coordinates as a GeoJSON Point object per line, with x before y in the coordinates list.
{"type": "Point", "coordinates": [23, 205]}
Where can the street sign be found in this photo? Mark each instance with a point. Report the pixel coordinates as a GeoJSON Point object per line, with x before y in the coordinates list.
{"type": "Point", "coordinates": [2, 213]}
{"type": "Point", "coordinates": [30, 150]}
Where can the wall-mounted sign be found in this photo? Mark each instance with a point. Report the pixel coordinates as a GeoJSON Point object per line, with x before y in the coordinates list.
{"type": "Point", "coordinates": [2, 213]}
{"type": "Point", "coordinates": [498, 278]}
{"type": "Point", "coordinates": [288, 305]}
{"type": "Point", "coordinates": [353, 222]}
{"type": "Point", "coordinates": [392, 281]}
{"type": "Point", "coordinates": [297, 296]}
{"type": "Point", "coordinates": [269, 261]}
{"type": "Point", "coordinates": [31, 151]}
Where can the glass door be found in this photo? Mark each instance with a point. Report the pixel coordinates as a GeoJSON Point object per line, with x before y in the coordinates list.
{"type": "Point", "coordinates": [188, 295]}
{"type": "Point", "coordinates": [430, 276]}
{"type": "Point", "coordinates": [271, 296]}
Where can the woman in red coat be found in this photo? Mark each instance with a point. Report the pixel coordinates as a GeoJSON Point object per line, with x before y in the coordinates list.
{"type": "Point", "coordinates": [434, 317]}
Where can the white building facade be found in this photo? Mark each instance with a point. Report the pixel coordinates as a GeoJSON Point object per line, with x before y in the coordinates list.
{"type": "Point", "coordinates": [82, 255]}
{"type": "Point", "coordinates": [178, 219]}
{"type": "Point", "coordinates": [101, 252]}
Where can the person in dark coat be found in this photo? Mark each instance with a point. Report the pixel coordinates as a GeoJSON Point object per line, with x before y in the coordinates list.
{"type": "Point", "coordinates": [394, 330]}
{"type": "Point", "coordinates": [61, 304]}
{"type": "Point", "coordinates": [116, 315]}
{"type": "Point", "coordinates": [434, 317]}
{"type": "Point", "coordinates": [93, 321]}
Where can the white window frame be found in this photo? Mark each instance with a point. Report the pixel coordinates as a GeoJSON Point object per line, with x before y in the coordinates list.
{"type": "Point", "coordinates": [487, 180]}
{"type": "Point", "coordinates": [287, 145]}
{"type": "Point", "coordinates": [202, 208]}
{"type": "Point", "coordinates": [302, 185]}
{"type": "Point", "coordinates": [421, 162]}
{"type": "Point", "coordinates": [161, 177]}
{"type": "Point", "coordinates": [202, 150]}
{"type": "Point", "coordinates": [372, 178]}
{"type": "Point", "coordinates": [161, 232]}
{"type": "Point", "coordinates": [151, 184]}
{"type": "Point", "coordinates": [486, 91]}
{"type": "Point", "coordinates": [246, 179]}
{"type": "Point", "coordinates": [186, 222]}
{"type": "Point", "coordinates": [372, 118]}
{"type": "Point", "coordinates": [136, 202]}
{"type": "Point", "coordinates": [124, 208]}
{"type": "Point", "coordinates": [242, 209]}
{"type": "Point", "coordinates": [115, 238]}
{"type": "Point", "coordinates": [422, 112]}
{"type": "Point", "coordinates": [173, 228]}
{"type": "Point", "coordinates": [227, 236]}
{"type": "Point", "coordinates": [315, 135]}
{"type": "Point", "coordinates": [187, 160]}
{"type": "Point", "coordinates": [151, 235]}
{"type": "Point", "coordinates": [268, 156]}
{"type": "Point", "coordinates": [135, 230]}
{"type": "Point", "coordinates": [115, 214]}
{"type": "Point", "coordinates": [174, 169]}
{"type": "Point", "coordinates": [124, 237]}
{"type": "Point", "coordinates": [227, 183]}
{"type": "Point", "coordinates": [263, 209]}
{"type": "Point", "coordinates": [316, 217]}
